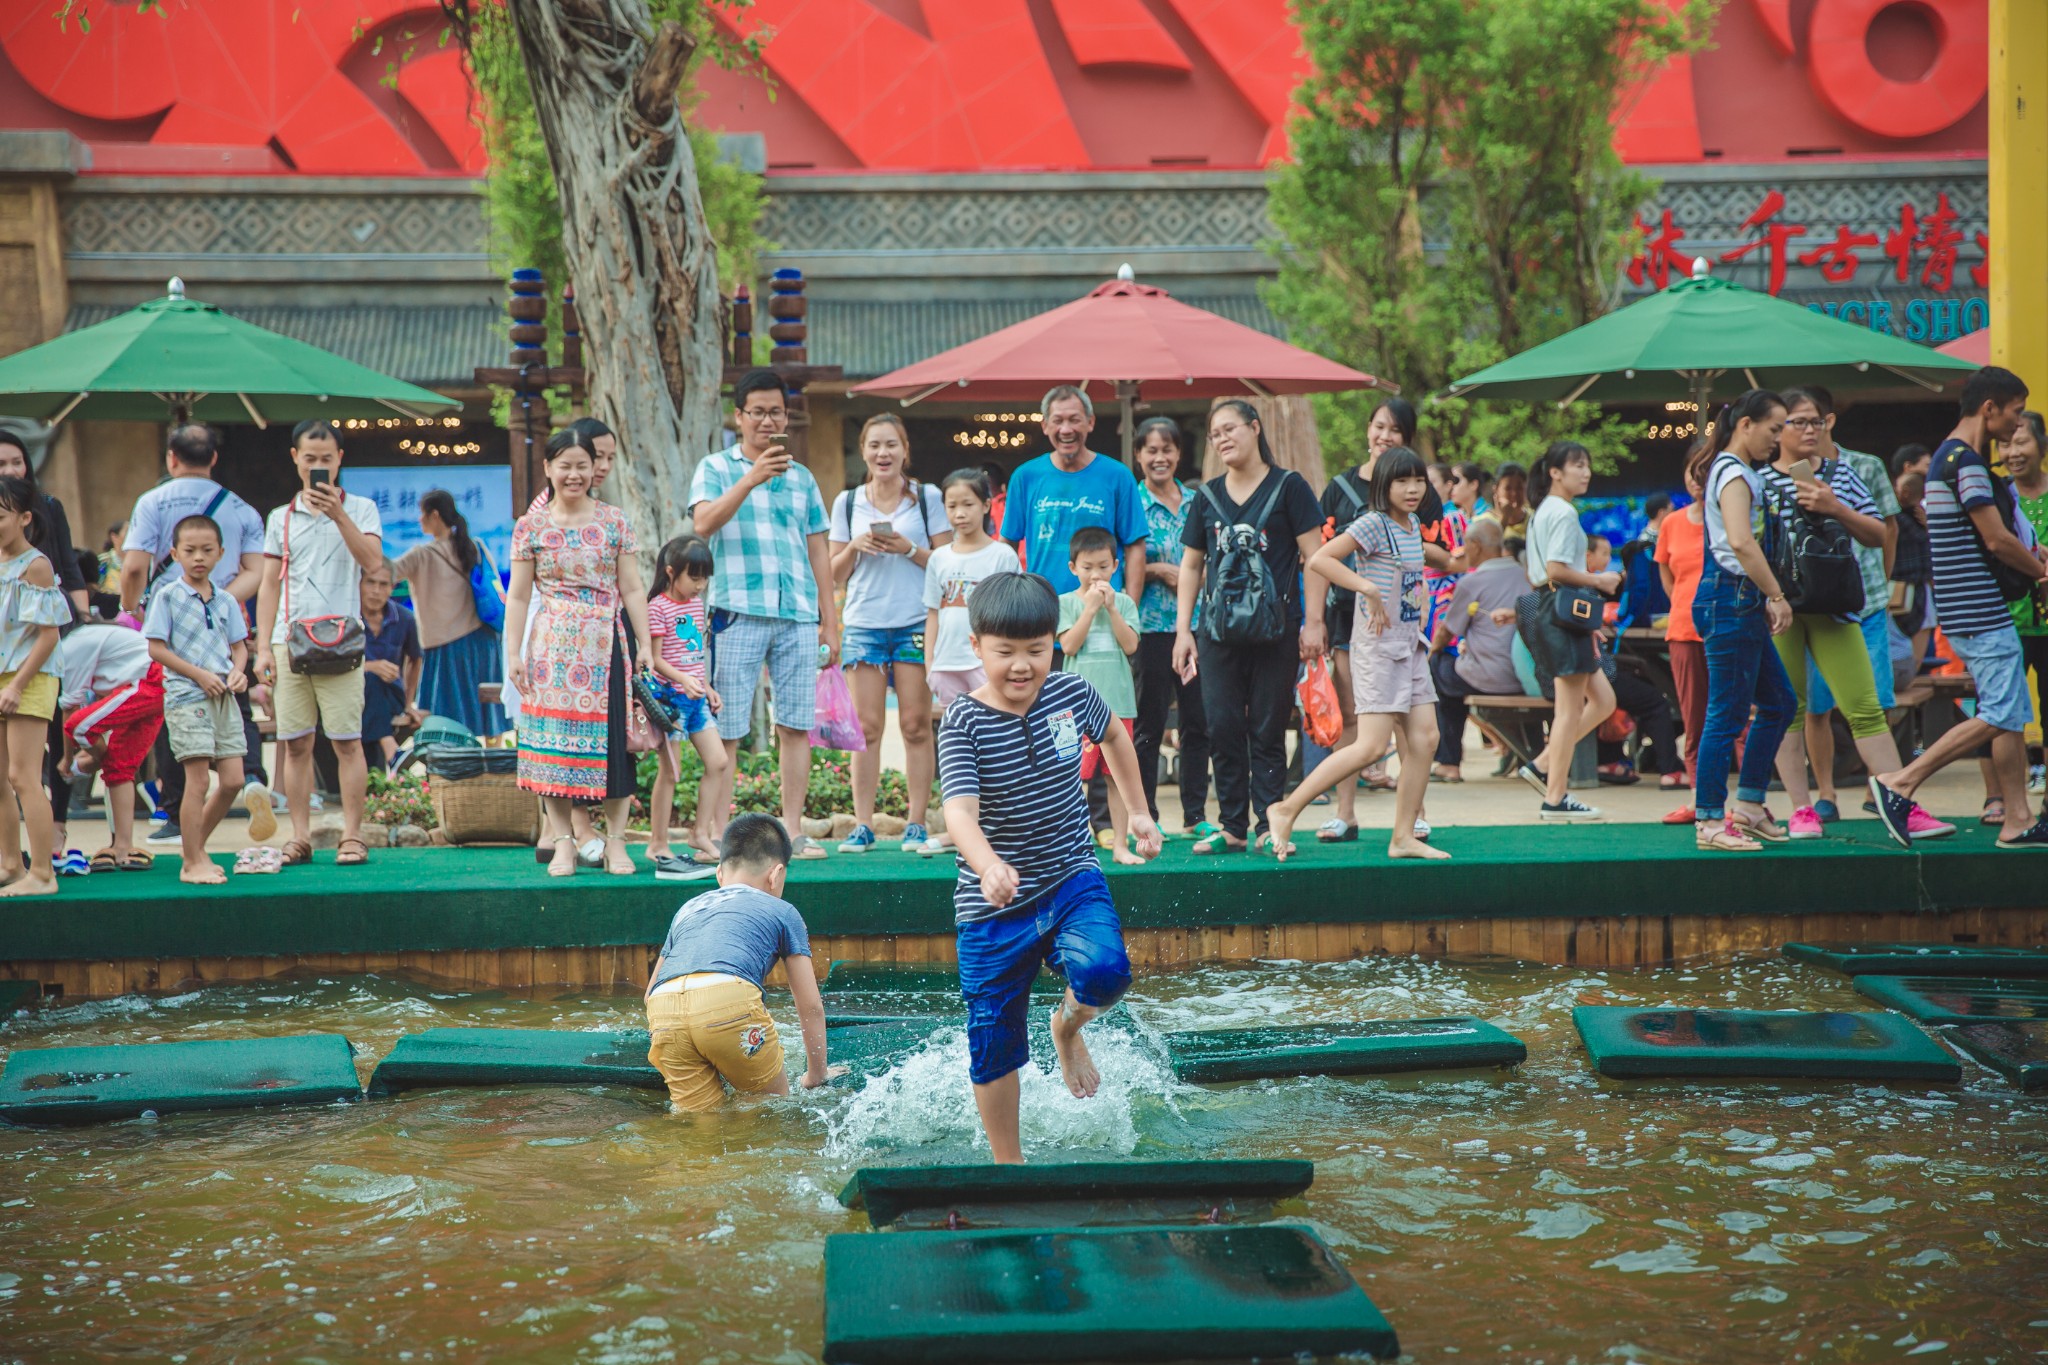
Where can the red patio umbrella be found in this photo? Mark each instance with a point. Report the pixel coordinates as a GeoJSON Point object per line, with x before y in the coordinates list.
{"type": "Point", "coordinates": [1975, 348]}
{"type": "Point", "coordinates": [1134, 339]}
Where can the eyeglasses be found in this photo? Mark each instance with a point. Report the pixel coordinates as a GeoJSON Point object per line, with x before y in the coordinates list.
{"type": "Point", "coordinates": [1806, 423]}
{"type": "Point", "coordinates": [765, 414]}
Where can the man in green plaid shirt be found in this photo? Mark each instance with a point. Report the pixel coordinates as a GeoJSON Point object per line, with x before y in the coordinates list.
{"type": "Point", "coordinates": [766, 522]}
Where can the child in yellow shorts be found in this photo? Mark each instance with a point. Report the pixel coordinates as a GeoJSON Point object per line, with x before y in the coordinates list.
{"type": "Point", "coordinates": [32, 607]}
{"type": "Point", "coordinates": [709, 1028]}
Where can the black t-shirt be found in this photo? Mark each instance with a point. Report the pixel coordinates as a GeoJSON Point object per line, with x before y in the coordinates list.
{"type": "Point", "coordinates": [1294, 514]}
{"type": "Point", "coordinates": [1339, 511]}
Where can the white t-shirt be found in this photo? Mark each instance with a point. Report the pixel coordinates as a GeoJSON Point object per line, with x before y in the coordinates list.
{"type": "Point", "coordinates": [1727, 466]}
{"type": "Point", "coordinates": [950, 578]}
{"type": "Point", "coordinates": [886, 592]}
{"type": "Point", "coordinates": [158, 512]}
{"type": "Point", "coordinates": [322, 577]}
{"type": "Point", "coordinates": [96, 660]}
{"type": "Point", "coordinates": [1554, 533]}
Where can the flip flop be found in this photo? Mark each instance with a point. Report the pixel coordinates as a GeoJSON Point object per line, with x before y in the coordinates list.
{"type": "Point", "coordinates": [1990, 817]}
{"type": "Point", "coordinates": [137, 861]}
{"type": "Point", "coordinates": [1336, 832]}
{"type": "Point", "coordinates": [351, 853]}
{"type": "Point", "coordinates": [1218, 843]}
{"type": "Point", "coordinates": [106, 860]}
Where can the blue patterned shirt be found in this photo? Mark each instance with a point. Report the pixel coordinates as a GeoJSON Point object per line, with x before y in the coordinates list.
{"type": "Point", "coordinates": [1159, 607]}
{"type": "Point", "coordinates": [763, 559]}
{"type": "Point", "coordinates": [202, 633]}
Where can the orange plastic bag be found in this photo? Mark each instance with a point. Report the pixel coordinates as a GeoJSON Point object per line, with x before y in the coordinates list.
{"type": "Point", "coordinates": [1321, 721]}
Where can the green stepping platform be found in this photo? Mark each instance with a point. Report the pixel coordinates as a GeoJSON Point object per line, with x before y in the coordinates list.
{"type": "Point", "coordinates": [121, 1081]}
{"type": "Point", "coordinates": [1921, 959]}
{"type": "Point", "coordinates": [2016, 1051]}
{"type": "Point", "coordinates": [1380, 1045]}
{"type": "Point", "coordinates": [1958, 999]}
{"type": "Point", "coordinates": [869, 1044]}
{"type": "Point", "coordinates": [887, 1193]}
{"type": "Point", "coordinates": [515, 1056]}
{"type": "Point", "coordinates": [1875, 1046]}
{"type": "Point", "coordinates": [1123, 1294]}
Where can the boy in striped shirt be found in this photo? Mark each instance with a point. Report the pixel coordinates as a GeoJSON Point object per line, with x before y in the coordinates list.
{"type": "Point", "coordinates": [1030, 890]}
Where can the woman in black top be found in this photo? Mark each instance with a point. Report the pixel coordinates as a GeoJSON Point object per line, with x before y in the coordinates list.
{"type": "Point", "coordinates": [1247, 686]}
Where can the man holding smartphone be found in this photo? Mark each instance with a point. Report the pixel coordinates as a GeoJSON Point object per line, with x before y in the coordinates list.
{"type": "Point", "coordinates": [316, 549]}
{"type": "Point", "coordinates": [771, 592]}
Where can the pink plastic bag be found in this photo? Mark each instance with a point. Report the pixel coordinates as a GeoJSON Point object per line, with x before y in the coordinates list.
{"type": "Point", "coordinates": [836, 724]}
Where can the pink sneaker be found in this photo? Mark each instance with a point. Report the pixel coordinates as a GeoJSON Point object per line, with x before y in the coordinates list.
{"type": "Point", "coordinates": [1805, 824]}
{"type": "Point", "coordinates": [1921, 825]}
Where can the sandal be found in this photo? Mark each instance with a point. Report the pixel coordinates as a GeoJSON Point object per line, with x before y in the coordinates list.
{"type": "Point", "coordinates": [624, 856]}
{"type": "Point", "coordinates": [1336, 832]}
{"type": "Point", "coordinates": [137, 861]}
{"type": "Point", "coordinates": [1723, 838]}
{"type": "Point", "coordinates": [1218, 843]}
{"type": "Point", "coordinates": [351, 852]}
{"type": "Point", "coordinates": [106, 860]}
{"type": "Point", "coordinates": [558, 868]}
{"type": "Point", "coordinates": [1994, 812]}
{"type": "Point", "coordinates": [296, 851]}
{"type": "Point", "coordinates": [1767, 829]}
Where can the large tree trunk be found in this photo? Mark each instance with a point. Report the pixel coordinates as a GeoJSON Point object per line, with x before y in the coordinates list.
{"type": "Point", "coordinates": [640, 252]}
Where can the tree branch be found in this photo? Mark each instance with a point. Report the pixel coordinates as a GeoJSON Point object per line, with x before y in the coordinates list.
{"type": "Point", "coordinates": [654, 87]}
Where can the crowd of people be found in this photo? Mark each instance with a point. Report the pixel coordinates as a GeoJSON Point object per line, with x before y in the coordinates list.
{"type": "Point", "coordinates": [1800, 581]}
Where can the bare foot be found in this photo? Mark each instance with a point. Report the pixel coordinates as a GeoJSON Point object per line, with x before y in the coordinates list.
{"type": "Point", "coordinates": [1413, 848]}
{"type": "Point", "coordinates": [1280, 829]}
{"type": "Point", "coordinates": [201, 874]}
{"type": "Point", "coordinates": [47, 886]}
{"type": "Point", "coordinates": [1077, 1068]}
{"type": "Point", "coordinates": [1124, 856]}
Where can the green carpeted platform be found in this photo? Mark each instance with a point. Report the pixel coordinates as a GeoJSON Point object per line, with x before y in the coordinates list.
{"type": "Point", "coordinates": [514, 1056]}
{"type": "Point", "coordinates": [887, 1193]}
{"type": "Point", "coordinates": [2016, 1051]}
{"type": "Point", "coordinates": [1925, 959]}
{"type": "Point", "coordinates": [1123, 1294]}
{"type": "Point", "coordinates": [1958, 999]}
{"type": "Point", "coordinates": [95, 1084]}
{"type": "Point", "coordinates": [491, 898]}
{"type": "Point", "coordinates": [1874, 1046]}
{"type": "Point", "coordinates": [1381, 1045]}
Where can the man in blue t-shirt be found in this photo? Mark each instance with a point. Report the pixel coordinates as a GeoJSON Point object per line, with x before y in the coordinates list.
{"type": "Point", "coordinates": [1055, 495]}
{"type": "Point", "coordinates": [1030, 891]}
{"type": "Point", "coordinates": [707, 1025]}
{"type": "Point", "coordinates": [1970, 530]}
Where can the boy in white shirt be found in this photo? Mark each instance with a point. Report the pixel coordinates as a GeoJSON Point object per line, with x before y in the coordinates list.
{"type": "Point", "coordinates": [316, 549]}
{"type": "Point", "coordinates": [113, 707]}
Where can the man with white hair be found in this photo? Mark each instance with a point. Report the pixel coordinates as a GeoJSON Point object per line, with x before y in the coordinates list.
{"type": "Point", "coordinates": [1057, 494]}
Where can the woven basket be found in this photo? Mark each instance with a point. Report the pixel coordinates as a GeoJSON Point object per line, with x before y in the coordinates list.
{"type": "Point", "coordinates": [490, 809]}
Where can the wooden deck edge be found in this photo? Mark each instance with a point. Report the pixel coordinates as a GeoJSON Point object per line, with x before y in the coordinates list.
{"type": "Point", "coordinates": [1613, 941]}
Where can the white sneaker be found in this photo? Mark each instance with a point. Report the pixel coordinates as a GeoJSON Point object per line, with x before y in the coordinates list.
{"type": "Point", "coordinates": [262, 813]}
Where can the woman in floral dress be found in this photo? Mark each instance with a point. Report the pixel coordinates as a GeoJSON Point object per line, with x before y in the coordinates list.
{"type": "Point", "coordinates": [576, 555]}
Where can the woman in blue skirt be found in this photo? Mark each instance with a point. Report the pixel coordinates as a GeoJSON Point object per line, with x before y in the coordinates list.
{"type": "Point", "coordinates": [461, 651]}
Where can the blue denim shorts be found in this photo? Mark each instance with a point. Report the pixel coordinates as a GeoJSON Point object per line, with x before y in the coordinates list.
{"type": "Point", "coordinates": [1999, 667]}
{"type": "Point", "coordinates": [1074, 930]}
{"type": "Point", "coordinates": [692, 713]}
{"type": "Point", "coordinates": [896, 645]}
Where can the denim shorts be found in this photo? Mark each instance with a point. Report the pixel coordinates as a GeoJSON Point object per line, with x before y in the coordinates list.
{"type": "Point", "coordinates": [1999, 668]}
{"type": "Point", "coordinates": [1074, 930]}
{"type": "Point", "coordinates": [692, 713]}
{"type": "Point", "coordinates": [895, 645]}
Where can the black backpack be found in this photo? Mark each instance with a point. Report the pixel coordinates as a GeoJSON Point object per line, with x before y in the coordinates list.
{"type": "Point", "coordinates": [1242, 604]}
{"type": "Point", "coordinates": [1815, 561]}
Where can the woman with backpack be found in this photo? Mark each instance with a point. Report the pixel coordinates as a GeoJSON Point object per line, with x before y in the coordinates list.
{"type": "Point", "coordinates": [1823, 506]}
{"type": "Point", "coordinates": [882, 534]}
{"type": "Point", "coordinates": [449, 599]}
{"type": "Point", "coordinates": [1248, 537]}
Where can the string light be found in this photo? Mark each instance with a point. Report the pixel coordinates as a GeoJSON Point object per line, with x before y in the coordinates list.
{"type": "Point", "coordinates": [991, 440]}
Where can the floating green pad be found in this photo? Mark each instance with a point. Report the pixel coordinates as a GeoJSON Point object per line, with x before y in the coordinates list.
{"type": "Point", "coordinates": [1342, 1049]}
{"type": "Point", "coordinates": [2016, 1051]}
{"type": "Point", "coordinates": [889, 1192]}
{"type": "Point", "coordinates": [1087, 1294]}
{"type": "Point", "coordinates": [120, 1081]}
{"type": "Point", "coordinates": [1831, 1045]}
{"type": "Point", "coordinates": [515, 1056]}
{"type": "Point", "coordinates": [15, 994]}
{"type": "Point", "coordinates": [869, 1044]}
{"type": "Point", "coordinates": [1921, 959]}
{"type": "Point", "coordinates": [1958, 999]}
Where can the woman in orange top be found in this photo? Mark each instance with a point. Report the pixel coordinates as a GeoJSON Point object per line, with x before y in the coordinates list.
{"type": "Point", "coordinates": [1681, 552]}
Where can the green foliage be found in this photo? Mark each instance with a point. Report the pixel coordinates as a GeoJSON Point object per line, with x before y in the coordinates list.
{"type": "Point", "coordinates": [759, 786]}
{"type": "Point", "coordinates": [1454, 198]}
{"type": "Point", "coordinates": [400, 800]}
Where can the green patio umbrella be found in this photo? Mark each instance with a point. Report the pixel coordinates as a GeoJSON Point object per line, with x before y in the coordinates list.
{"type": "Point", "coordinates": [1702, 331]}
{"type": "Point", "coordinates": [184, 359]}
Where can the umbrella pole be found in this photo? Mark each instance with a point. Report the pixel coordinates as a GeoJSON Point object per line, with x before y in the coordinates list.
{"type": "Point", "coordinates": [1127, 394]}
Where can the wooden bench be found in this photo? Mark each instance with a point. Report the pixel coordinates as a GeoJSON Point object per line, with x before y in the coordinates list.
{"type": "Point", "coordinates": [1505, 719]}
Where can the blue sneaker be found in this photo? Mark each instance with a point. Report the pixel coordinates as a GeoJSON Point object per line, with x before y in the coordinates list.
{"type": "Point", "coordinates": [914, 838]}
{"type": "Point", "coordinates": [1895, 810]}
{"type": "Point", "coordinates": [860, 841]}
{"type": "Point", "coordinates": [1828, 811]}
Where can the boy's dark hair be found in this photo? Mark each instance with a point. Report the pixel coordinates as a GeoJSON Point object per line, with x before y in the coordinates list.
{"type": "Point", "coordinates": [1508, 469]}
{"type": "Point", "coordinates": [683, 555]}
{"type": "Point", "coordinates": [1912, 484]}
{"type": "Point", "coordinates": [317, 429]}
{"type": "Point", "coordinates": [1907, 454]}
{"type": "Point", "coordinates": [194, 445]}
{"type": "Point", "coordinates": [755, 842]}
{"type": "Point", "coordinates": [1597, 539]}
{"type": "Point", "coordinates": [1398, 463]}
{"type": "Point", "coordinates": [1088, 540]}
{"type": "Point", "coordinates": [1655, 503]}
{"type": "Point", "coordinates": [1991, 385]}
{"type": "Point", "coordinates": [198, 521]}
{"type": "Point", "coordinates": [1471, 473]}
{"type": "Point", "coordinates": [758, 381]}
{"type": "Point", "coordinates": [1014, 606]}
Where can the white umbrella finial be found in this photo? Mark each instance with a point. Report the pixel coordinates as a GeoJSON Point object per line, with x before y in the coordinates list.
{"type": "Point", "coordinates": [1700, 267]}
{"type": "Point", "coordinates": [1124, 272]}
{"type": "Point", "coordinates": [176, 289]}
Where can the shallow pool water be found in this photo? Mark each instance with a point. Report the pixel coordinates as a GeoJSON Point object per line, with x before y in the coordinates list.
{"type": "Point", "coordinates": [1539, 1215]}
